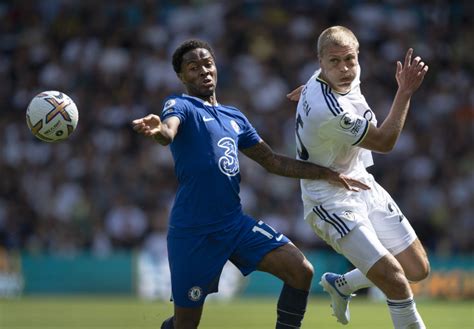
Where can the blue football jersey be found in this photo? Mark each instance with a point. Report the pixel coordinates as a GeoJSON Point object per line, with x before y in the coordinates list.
{"type": "Point", "coordinates": [205, 152]}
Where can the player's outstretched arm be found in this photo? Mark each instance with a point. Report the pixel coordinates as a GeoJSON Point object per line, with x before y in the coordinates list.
{"type": "Point", "coordinates": [152, 126]}
{"type": "Point", "coordinates": [285, 166]}
{"type": "Point", "coordinates": [409, 76]}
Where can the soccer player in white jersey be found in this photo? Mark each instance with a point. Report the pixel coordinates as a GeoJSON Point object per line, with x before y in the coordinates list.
{"type": "Point", "coordinates": [336, 128]}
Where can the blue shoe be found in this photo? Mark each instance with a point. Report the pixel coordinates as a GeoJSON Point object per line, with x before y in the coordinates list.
{"type": "Point", "coordinates": [339, 301]}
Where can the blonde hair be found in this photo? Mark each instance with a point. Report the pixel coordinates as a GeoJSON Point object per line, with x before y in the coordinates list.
{"type": "Point", "coordinates": [336, 36]}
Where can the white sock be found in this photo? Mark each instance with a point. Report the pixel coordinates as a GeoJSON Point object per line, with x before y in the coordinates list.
{"type": "Point", "coordinates": [404, 314]}
{"type": "Point", "coordinates": [357, 280]}
{"type": "Point", "coordinates": [352, 281]}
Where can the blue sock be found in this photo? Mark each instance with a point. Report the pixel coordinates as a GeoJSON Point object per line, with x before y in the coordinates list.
{"type": "Point", "coordinates": [291, 307]}
{"type": "Point", "coordinates": [167, 324]}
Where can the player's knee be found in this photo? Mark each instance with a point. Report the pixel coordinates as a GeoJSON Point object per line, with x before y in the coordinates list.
{"type": "Point", "coordinates": [420, 273]}
{"type": "Point", "coordinates": [304, 273]}
{"type": "Point", "coordinates": [308, 271]}
{"type": "Point", "coordinates": [299, 275]}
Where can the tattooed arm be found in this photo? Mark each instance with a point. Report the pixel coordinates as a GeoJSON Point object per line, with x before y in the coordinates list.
{"type": "Point", "coordinates": [285, 166]}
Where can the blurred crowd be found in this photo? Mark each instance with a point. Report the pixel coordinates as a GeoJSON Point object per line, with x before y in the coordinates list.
{"type": "Point", "coordinates": [108, 188]}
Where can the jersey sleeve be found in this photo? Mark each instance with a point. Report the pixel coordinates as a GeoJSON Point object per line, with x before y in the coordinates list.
{"type": "Point", "coordinates": [173, 106]}
{"type": "Point", "coordinates": [345, 128]}
{"type": "Point", "coordinates": [249, 136]}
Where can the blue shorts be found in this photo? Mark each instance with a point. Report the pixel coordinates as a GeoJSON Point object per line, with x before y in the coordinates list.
{"type": "Point", "coordinates": [196, 262]}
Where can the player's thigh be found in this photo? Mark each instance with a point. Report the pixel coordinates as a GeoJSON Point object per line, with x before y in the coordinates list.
{"type": "Point", "coordinates": [262, 247]}
{"type": "Point", "coordinates": [361, 247]}
{"type": "Point", "coordinates": [255, 240]}
{"type": "Point", "coordinates": [336, 218]}
{"type": "Point", "coordinates": [195, 264]}
{"type": "Point", "coordinates": [414, 261]}
{"type": "Point", "coordinates": [289, 264]}
{"type": "Point", "coordinates": [392, 227]}
{"type": "Point", "coordinates": [187, 318]}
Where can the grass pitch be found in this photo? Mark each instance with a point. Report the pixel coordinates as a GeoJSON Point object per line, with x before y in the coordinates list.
{"type": "Point", "coordinates": [121, 313]}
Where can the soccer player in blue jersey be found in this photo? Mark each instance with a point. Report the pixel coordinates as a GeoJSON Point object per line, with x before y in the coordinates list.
{"type": "Point", "coordinates": [207, 226]}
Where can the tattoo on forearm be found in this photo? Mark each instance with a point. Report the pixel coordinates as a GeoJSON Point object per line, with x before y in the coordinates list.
{"type": "Point", "coordinates": [283, 165]}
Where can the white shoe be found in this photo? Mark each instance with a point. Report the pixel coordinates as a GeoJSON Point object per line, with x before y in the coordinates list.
{"type": "Point", "coordinates": [339, 301]}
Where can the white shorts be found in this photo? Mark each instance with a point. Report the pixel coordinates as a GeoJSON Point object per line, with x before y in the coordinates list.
{"type": "Point", "coordinates": [386, 229]}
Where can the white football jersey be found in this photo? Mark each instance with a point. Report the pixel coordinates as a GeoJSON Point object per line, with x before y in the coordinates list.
{"type": "Point", "coordinates": [329, 125]}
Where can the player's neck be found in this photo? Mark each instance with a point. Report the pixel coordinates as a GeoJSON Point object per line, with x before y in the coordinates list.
{"type": "Point", "coordinates": [211, 99]}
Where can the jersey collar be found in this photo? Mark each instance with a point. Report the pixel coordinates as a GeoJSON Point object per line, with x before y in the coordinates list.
{"type": "Point", "coordinates": [323, 81]}
{"type": "Point", "coordinates": [354, 83]}
{"type": "Point", "coordinates": [199, 100]}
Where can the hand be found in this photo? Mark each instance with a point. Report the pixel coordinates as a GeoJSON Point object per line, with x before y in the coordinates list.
{"type": "Point", "coordinates": [410, 75]}
{"type": "Point", "coordinates": [295, 94]}
{"type": "Point", "coordinates": [348, 183]}
{"type": "Point", "coordinates": [148, 126]}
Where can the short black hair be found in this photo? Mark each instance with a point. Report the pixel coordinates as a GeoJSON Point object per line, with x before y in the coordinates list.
{"type": "Point", "coordinates": [185, 47]}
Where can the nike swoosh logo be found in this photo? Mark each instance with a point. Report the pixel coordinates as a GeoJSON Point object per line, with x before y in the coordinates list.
{"type": "Point", "coordinates": [206, 119]}
{"type": "Point", "coordinates": [278, 238]}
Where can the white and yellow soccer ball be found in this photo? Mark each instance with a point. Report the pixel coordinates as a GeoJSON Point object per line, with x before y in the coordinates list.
{"type": "Point", "coordinates": [52, 116]}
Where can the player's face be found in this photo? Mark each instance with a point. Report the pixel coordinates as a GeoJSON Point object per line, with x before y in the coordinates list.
{"type": "Point", "coordinates": [339, 66]}
{"type": "Point", "coordinates": [199, 73]}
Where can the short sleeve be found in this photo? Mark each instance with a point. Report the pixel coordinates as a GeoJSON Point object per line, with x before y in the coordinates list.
{"type": "Point", "coordinates": [345, 128]}
{"type": "Point", "coordinates": [249, 136]}
{"type": "Point", "coordinates": [174, 107]}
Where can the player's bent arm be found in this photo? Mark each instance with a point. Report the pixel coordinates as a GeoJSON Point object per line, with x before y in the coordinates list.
{"type": "Point", "coordinates": [409, 76]}
{"type": "Point", "coordinates": [382, 139]}
{"type": "Point", "coordinates": [167, 131]}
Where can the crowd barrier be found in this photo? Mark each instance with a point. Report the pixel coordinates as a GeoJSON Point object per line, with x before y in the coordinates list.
{"type": "Point", "coordinates": [139, 273]}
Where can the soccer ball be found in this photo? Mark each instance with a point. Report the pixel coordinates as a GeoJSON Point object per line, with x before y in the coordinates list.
{"type": "Point", "coordinates": [52, 116]}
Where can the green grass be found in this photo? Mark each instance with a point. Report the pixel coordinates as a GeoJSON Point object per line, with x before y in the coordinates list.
{"type": "Point", "coordinates": [118, 313]}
